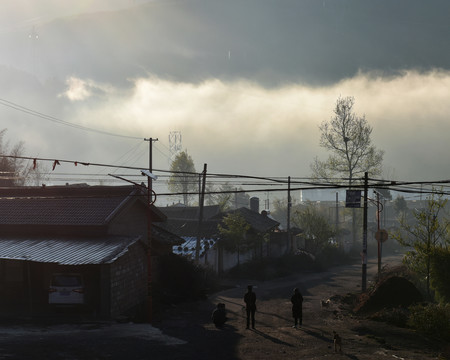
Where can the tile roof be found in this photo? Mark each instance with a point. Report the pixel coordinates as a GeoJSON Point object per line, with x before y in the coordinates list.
{"type": "Point", "coordinates": [54, 211]}
{"type": "Point", "coordinates": [189, 212]}
{"type": "Point", "coordinates": [259, 222]}
{"type": "Point", "coordinates": [190, 227]}
{"type": "Point", "coordinates": [68, 205]}
{"type": "Point", "coordinates": [66, 250]}
{"type": "Point", "coordinates": [166, 237]}
{"type": "Point", "coordinates": [181, 221]}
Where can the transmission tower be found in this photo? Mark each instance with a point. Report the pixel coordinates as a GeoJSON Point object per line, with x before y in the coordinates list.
{"type": "Point", "coordinates": [174, 144]}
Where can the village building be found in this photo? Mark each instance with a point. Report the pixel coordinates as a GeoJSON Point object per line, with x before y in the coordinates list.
{"type": "Point", "coordinates": [97, 232]}
{"type": "Point", "coordinates": [185, 222]}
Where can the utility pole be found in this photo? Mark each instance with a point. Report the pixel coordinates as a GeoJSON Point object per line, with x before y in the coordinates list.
{"type": "Point", "coordinates": [290, 242]}
{"type": "Point", "coordinates": [379, 243]}
{"type": "Point", "coordinates": [149, 230]}
{"type": "Point", "coordinates": [199, 188]}
{"type": "Point", "coordinates": [364, 250]}
{"type": "Point", "coordinates": [200, 217]}
{"type": "Point", "coordinates": [336, 228]}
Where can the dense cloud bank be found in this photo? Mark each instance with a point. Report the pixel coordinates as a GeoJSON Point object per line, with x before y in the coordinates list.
{"type": "Point", "coordinates": [270, 42]}
{"type": "Point", "coordinates": [241, 126]}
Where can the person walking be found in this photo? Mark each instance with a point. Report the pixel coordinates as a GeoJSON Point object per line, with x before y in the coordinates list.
{"type": "Point", "coordinates": [250, 305]}
{"type": "Point", "coordinates": [297, 307]}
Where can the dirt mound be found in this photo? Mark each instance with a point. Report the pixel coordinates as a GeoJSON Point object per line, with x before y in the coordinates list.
{"type": "Point", "coordinates": [392, 292]}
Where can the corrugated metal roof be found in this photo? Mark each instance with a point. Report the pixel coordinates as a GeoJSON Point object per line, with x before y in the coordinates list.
{"type": "Point", "coordinates": [188, 248]}
{"type": "Point", "coordinates": [66, 251]}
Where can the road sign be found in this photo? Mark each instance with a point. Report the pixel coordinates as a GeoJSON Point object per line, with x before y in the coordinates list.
{"type": "Point", "coordinates": [353, 199]}
{"type": "Point", "coordinates": [381, 235]}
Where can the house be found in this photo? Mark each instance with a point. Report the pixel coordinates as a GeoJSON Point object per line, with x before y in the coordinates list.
{"type": "Point", "coordinates": [184, 221]}
{"type": "Point", "coordinates": [99, 232]}
{"type": "Point", "coordinates": [261, 224]}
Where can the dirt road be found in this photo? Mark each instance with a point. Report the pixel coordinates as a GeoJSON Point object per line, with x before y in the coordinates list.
{"type": "Point", "coordinates": [186, 332]}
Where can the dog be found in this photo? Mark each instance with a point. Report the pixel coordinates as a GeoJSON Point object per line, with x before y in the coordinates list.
{"type": "Point", "coordinates": [337, 340]}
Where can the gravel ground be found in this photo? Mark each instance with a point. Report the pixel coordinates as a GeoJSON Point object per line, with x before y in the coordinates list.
{"type": "Point", "coordinates": [186, 332]}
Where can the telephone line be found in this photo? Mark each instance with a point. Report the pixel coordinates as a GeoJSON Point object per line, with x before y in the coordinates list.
{"type": "Point", "coordinates": [38, 114]}
{"type": "Point", "coordinates": [311, 184]}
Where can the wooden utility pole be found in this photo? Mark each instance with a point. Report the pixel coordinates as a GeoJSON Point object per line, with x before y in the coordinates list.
{"type": "Point", "coordinates": [364, 250]}
{"type": "Point", "coordinates": [378, 230]}
{"type": "Point", "coordinates": [200, 217]}
{"type": "Point", "coordinates": [290, 242]}
{"type": "Point", "coordinates": [149, 231]}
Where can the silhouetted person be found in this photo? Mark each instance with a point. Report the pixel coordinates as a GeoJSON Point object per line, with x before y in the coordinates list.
{"type": "Point", "coordinates": [219, 315]}
{"type": "Point", "coordinates": [250, 305]}
{"type": "Point", "coordinates": [297, 305]}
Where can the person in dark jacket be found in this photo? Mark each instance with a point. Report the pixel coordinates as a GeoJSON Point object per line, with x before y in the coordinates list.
{"type": "Point", "coordinates": [219, 315]}
{"type": "Point", "coordinates": [250, 305]}
{"type": "Point", "coordinates": [297, 307]}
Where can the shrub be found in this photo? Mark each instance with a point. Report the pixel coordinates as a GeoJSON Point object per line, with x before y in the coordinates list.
{"type": "Point", "coordinates": [182, 280]}
{"type": "Point", "coordinates": [440, 276]}
{"type": "Point", "coordinates": [333, 255]}
{"type": "Point", "coordinates": [395, 316]}
{"type": "Point", "coordinates": [272, 268]}
{"type": "Point", "coordinates": [431, 319]}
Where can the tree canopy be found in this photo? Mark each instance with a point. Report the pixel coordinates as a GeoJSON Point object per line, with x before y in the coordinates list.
{"type": "Point", "coordinates": [227, 197]}
{"type": "Point", "coordinates": [428, 232]}
{"type": "Point", "coordinates": [316, 229]}
{"type": "Point", "coordinates": [184, 178]}
{"type": "Point", "coordinates": [234, 233]}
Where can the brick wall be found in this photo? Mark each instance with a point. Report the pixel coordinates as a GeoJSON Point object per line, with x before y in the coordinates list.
{"type": "Point", "coordinates": [129, 282]}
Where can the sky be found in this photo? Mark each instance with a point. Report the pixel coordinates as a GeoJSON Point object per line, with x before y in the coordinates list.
{"type": "Point", "coordinates": [246, 83]}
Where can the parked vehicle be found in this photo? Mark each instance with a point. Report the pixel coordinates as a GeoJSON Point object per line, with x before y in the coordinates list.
{"type": "Point", "coordinates": [66, 289]}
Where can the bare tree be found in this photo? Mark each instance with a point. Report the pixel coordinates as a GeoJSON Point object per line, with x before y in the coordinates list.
{"type": "Point", "coordinates": [14, 170]}
{"type": "Point", "coordinates": [348, 137]}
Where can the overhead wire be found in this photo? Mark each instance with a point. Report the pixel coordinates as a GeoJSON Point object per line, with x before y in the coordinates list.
{"type": "Point", "coordinates": [38, 114]}
{"type": "Point", "coordinates": [401, 186]}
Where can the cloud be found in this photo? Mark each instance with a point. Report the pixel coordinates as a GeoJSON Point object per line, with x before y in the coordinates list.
{"type": "Point", "coordinates": [243, 127]}
{"type": "Point", "coordinates": [82, 89]}
{"type": "Point", "coordinates": [77, 89]}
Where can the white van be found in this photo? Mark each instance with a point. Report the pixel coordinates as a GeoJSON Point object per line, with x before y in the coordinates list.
{"type": "Point", "coordinates": [66, 289]}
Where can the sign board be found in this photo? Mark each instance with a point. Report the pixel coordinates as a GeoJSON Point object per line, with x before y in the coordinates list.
{"type": "Point", "coordinates": [381, 235]}
{"type": "Point", "coordinates": [353, 199]}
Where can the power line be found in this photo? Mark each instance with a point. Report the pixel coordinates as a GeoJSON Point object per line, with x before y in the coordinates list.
{"type": "Point", "coordinates": [38, 114]}
{"type": "Point", "coordinates": [305, 185]}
